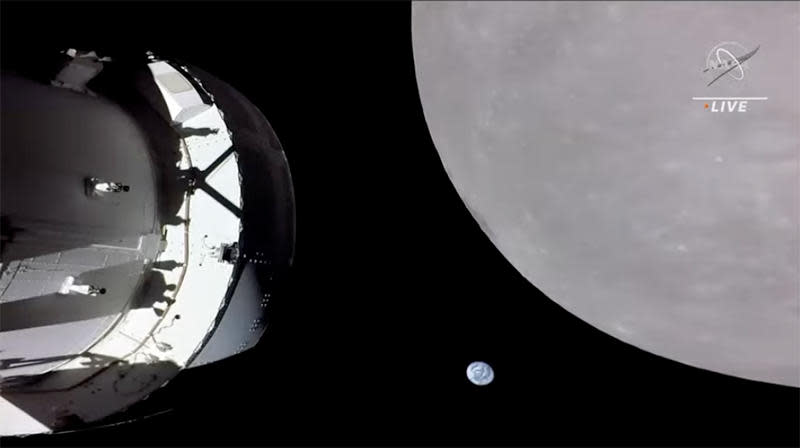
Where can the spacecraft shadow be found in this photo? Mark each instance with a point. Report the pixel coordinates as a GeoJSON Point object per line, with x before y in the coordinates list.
{"type": "Point", "coordinates": [57, 308]}
{"type": "Point", "coordinates": [131, 379]}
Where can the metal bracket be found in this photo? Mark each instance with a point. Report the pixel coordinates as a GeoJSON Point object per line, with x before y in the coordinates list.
{"type": "Point", "coordinates": [194, 179]}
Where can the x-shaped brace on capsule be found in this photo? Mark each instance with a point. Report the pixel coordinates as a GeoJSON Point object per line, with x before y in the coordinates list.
{"type": "Point", "coordinates": [195, 178]}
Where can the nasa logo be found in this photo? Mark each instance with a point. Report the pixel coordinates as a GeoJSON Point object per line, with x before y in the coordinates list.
{"type": "Point", "coordinates": [722, 59]}
{"type": "Point", "coordinates": [721, 62]}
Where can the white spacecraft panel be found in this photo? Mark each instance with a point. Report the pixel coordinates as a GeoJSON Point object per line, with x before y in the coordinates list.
{"type": "Point", "coordinates": [213, 138]}
{"type": "Point", "coordinates": [150, 344]}
{"type": "Point", "coordinates": [182, 100]}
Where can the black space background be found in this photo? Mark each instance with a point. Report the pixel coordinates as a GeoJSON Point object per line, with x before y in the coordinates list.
{"type": "Point", "coordinates": [395, 288]}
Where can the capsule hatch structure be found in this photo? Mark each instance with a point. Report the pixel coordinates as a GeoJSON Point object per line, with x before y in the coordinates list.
{"type": "Point", "coordinates": [147, 217]}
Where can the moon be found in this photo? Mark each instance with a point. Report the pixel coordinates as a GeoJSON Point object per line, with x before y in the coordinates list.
{"type": "Point", "coordinates": [572, 133]}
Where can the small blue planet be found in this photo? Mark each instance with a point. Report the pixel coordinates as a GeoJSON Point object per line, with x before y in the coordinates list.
{"type": "Point", "coordinates": [480, 373]}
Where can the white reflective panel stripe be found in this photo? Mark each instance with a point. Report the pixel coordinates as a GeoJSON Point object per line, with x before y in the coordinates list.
{"type": "Point", "coordinates": [174, 82]}
{"type": "Point", "coordinates": [182, 103]}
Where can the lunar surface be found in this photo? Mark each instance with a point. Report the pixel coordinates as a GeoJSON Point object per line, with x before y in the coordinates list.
{"type": "Point", "coordinates": [597, 151]}
{"type": "Point", "coordinates": [480, 373]}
